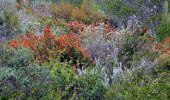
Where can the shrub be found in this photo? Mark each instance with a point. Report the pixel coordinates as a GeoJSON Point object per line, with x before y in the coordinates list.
{"type": "Point", "coordinates": [8, 19]}
{"type": "Point", "coordinates": [10, 12]}
{"type": "Point", "coordinates": [141, 85]}
{"type": "Point", "coordinates": [48, 45]}
{"type": "Point", "coordinates": [61, 23]}
{"type": "Point", "coordinates": [64, 80]}
{"type": "Point", "coordinates": [89, 86]}
{"type": "Point", "coordinates": [6, 32]}
{"type": "Point", "coordinates": [163, 48]}
{"type": "Point", "coordinates": [76, 26]}
{"type": "Point", "coordinates": [117, 9]}
{"type": "Point", "coordinates": [15, 57]}
{"type": "Point", "coordinates": [62, 10]}
{"type": "Point", "coordinates": [76, 3]}
{"type": "Point", "coordinates": [163, 30]}
{"type": "Point", "coordinates": [68, 85]}
{"type": "Point", "coordinates": [28, 82]}
{"type": "Point", "coordinates": [11, 19]}
{"type": "Point", "coordinates": [68, 12]}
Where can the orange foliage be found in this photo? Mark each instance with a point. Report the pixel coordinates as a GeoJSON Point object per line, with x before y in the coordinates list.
{"type": "Point", "coordinates": [13, 43]}
{"type": "Point", "coordinates": [69, 12]}
{"type": "Point", "coordinates": [62, 10]}
{"type": "Point", "coordinates": [158, 46]}
{"type": "Point", "coordinates": [167, 39]}
{"type": "Point", "coordinates": [76, 26]}
{"type": "Point", "coordinates": [163, 47]}
{"type": "Point", "coordinates": [29, 10]}
{"type": "Point", "coordinates": [43, 45]}
{"type": "Point", "coordinates": [143, 29]}
{"type": "Point", "coordinates": [20, 4]}
{"type": "Point", "coordinates": [78, 14]}
{"type": "Point", "coordinates": [165, 50]}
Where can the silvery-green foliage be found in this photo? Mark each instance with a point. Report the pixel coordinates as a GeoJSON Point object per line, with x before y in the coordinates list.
{"type": "Point", "coordinates": [132, 23]}
{"type": "Point", "coordinates": [40, 4]}
{"type": "Point", "coordinates": [115, 52]}
{"type": "Point", "coordinates": [147, 11]}
{"type": "Point", "coordinates": [90, 86]}
{"type": "Point", "coordinates": [105, 50]}
{"type": "Point", "coordinates": [6, 32]}
{"type": "Point", "coordinates": [4, 72]}
{"type": "Point", "coordinates": [163, 30]}
{"type": "Point", "coordinates": [15, 57]}
{"type": "Point", "coordinates": [7, 5]}
{"type": "Point", "coordinates": [8, 18]}
{"type": "Point", "coordinates": [58, 30]}
{"type": "Point", "coordinates": [29, 82]}
{"type": "Point", "coordinates": [28, 22]}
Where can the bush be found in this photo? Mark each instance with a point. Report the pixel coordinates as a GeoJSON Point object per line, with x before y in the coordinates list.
{"type": "Point", "coordinates": [89, 86]}
{"type": "Point", "coordinates": [62, 10]}
{"type": "Point", "coordinates": [10, 13]}
{"type": "Point", "coordinates": [164, 30]}
{"type": "Point", "coordinates": [68, 85]}
{"type": "Point", "coordinates": [64, 80]}
{"type": "Point", "coordinates": [68, 12]}
{"type": "Point", "coordinates": [27, 82]}
{"type": "Point", "coordinates": [141, 85]}
{"type": "Point", "coordinates": [117, 10]}
{"type": "Point", "coordinates": [15, 57]}
{"type": "Point", "coordinates": [9, 21]}
{"type": "Point", "coordinates": [48, 45]}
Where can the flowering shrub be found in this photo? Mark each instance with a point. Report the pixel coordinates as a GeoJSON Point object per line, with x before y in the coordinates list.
{"type": "Point", "coordinates": [47, 44]}
{"type": "Point", "coordinates": [163, 49]}
{"type": "Point", "coordinates": [76, 26]}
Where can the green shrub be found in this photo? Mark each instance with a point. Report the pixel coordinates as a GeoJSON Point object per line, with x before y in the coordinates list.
{"type": "Point", "coordinates": [117, 9]}
{"type": "Point", "coordinates": [164, 29]}
{"type": "Point", "coordinates": [27, 82]}
{"type": "Point", "coordinates": [11, 19]}
{"type": "Point", "coordinates": [148, 85]}
{"type": "Point", "coordinates": [64, 79]}
{"type": "Point", "coordinates": [90, 86]}
{"type": "Point", "coordinates": [10, 13]}
{"type": "Point", "coordinates": [15, 57]}
{"type": "Point", "coordinates": [68, 85]}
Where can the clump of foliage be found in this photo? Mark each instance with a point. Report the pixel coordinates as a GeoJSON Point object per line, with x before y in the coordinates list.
{"type": "Point", "coordinates": [48, 45]}
{"type": "Point", "coordinates": [90, 86]}
{"type": "Point", "coordinates": [68, 12]}
{"type": "Point", "coordinates": [117, 9]}
{"type": "Point", "coordinates": [15, 57]}
{"type": "Point", "coordinates": [24, 82]}
{"type": "Point", "coordinates": [163, 29]}
{"type": "Point", "coordinates": [9, 20]}
{"type": "Point", "coordinates": [142, 85]}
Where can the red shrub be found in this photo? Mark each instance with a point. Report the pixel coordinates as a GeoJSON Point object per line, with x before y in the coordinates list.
{"type": "Point", "coordinates": [13, 43]}
{"type": "Point", "coordinates": [76, 26]}
{"type": "Point", "coordinates": [43, 45]}
{"type": "Point", "coordinates": [163, 47]}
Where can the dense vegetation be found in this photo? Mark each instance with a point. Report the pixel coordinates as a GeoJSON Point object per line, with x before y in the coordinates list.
{"type": "Point", "coordinates": [85, 49]}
